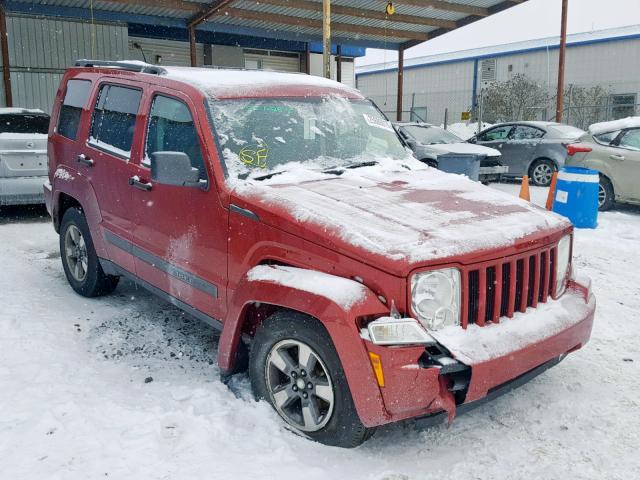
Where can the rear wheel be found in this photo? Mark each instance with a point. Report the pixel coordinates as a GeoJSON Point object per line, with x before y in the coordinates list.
{"type": "Point", "coordinates": [606, 198]}
{"type": "Point", "coordinates": [541, 172]}
{"type": "Point", "coordinates": [294, 366]}
{"type": "Point", "coordinates": [79, 259]}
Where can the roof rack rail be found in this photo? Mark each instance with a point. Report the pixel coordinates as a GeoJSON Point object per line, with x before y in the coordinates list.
{"type": "Point", "coordinates": [130, 67]}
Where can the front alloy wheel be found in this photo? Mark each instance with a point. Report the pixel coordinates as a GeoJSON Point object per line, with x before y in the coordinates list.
{"type": "Point", "coordinates": [299, 385]}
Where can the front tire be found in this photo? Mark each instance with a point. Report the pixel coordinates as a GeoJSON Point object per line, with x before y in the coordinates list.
{"type": "Point", "coordinates": [79, 259]}
{"type": "Point", "coordinates": [541, 172]}
{"type": "Point", "coordinates": [295, 367]}
{"type": "Point", "coordinates": [606, 197]}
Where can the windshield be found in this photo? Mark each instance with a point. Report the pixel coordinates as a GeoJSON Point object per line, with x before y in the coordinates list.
{"type": "Point", "coordinates": [24, 123]}
{"type": "Point", "coordinates": [430, 135]}
{"type": "Point", "coordinates": [262, 136]}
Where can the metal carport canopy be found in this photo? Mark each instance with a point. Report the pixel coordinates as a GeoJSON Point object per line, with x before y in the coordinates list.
{"type": "Point", "coordinates": [362, 23]}
{"type": "Point", "coordinates": [356, 22]}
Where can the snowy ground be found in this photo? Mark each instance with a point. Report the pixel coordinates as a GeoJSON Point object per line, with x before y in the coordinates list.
{"type": "Point", "coordinates": [76, 401]}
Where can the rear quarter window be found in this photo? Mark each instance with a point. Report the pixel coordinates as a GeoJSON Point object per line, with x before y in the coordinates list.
{"type": "Point", "coordinates": [74, 100]}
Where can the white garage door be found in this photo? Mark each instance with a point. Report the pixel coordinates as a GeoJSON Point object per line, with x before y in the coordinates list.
{"type": "Point", "coordinates": [271, 60]}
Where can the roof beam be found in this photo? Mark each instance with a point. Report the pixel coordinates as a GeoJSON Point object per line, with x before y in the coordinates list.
{"type": "Point", "coordinates": [447, 6]}
{"type": "Point", "coordinates": [311, 23]}
{"type": "Point", "coordinates": [171, 4]}
{"type": "Point", "coordinates": [362, 13]}
{"type": "Point", "coordinates": [206, 13]}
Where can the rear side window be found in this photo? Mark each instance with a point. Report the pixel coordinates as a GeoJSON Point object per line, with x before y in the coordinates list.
{"type": "Point", "coordinates": [74, 100]}
{"type": "Point", "coordinates": [607, 138]}
{"type": "Point", "coordinates": [524, 132]}
{"type": "Point", "coordinates": [114, 119]}
{"type": "Point", "coordinates": [171, 129]}
{"type": "Point", "coordinates": [24, 123]}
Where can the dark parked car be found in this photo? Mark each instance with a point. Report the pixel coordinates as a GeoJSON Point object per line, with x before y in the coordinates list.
{"type": "Point", "coordinates": [430, 143]}
{"type": "Point", "coordinates": [536, 149]}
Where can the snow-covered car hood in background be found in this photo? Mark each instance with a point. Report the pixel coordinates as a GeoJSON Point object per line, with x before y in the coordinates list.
{"type": "Point", "coordinates": [400, 218]}
{"type": "Point", "coordinates": [461, 148]}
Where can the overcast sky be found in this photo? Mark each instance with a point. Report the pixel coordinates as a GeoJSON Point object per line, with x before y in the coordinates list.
{"type": "Point", "coordinates": [531, 20]}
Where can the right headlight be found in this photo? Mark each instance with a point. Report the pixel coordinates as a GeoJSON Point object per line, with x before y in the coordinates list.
{"type": "Point", "coordinates": [435, 297]}
{"type": "Point", "coordinates": [563, 263]}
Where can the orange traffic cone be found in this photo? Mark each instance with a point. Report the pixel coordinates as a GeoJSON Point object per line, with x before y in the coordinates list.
{"type": "Point", "coordinates": [524, 189]}
{"type": "Point", "coordinates": [552, 191]}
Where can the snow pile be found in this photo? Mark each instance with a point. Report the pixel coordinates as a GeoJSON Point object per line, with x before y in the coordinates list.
{"type": "Point", "coordinates": [466, 130]}
{"type": "Point", "coordinates": [479, 344]}
{"type": "Point", "coordinates": [342, 291]}
{"type": "Point", "coordinates": [605, 127]}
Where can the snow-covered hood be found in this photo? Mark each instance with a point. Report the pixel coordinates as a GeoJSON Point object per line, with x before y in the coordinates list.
{"type": "Point", "coordinates": [398, 220]}
{"type": "Point", "coordinates": [461, 148]}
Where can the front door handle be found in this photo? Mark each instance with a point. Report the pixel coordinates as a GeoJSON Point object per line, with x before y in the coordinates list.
{"type": "Point", "coordinates": [136, 182]}
{"type": "Point", "coordinates": [616, 157]}
{"type": "Point", "coordinates": [84, 160]}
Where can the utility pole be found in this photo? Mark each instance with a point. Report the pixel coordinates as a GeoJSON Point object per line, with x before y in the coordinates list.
{"type": "Point", "coordinates": [563, 47]}
{"type": "Point", "coordinates": [326, 38]}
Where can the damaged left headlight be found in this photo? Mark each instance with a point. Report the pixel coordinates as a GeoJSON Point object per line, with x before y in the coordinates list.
{"type": "Point", "coordinates": [435, 297]}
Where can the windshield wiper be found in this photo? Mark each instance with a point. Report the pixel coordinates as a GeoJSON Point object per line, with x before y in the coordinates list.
{"type": "Point", "coordinates": [339, 169]}
{"type": "Point", "coordinates": [268, 175]}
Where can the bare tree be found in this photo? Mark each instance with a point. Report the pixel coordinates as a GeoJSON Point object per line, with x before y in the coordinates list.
{"type": "Point", "coordinates": [519, 98]}
{"type": "Point", "coordinates": [585, 105]}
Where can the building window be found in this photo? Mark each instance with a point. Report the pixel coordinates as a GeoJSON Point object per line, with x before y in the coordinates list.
{"type": "Point", "coordinates": [622, 105]}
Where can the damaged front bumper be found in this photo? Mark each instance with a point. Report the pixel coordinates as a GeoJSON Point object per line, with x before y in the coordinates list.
{"type": "Point", "coordinates": [468, 367]}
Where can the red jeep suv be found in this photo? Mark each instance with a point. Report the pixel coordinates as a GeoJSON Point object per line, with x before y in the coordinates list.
{"type": "Point", "coordinates": [359, 286]}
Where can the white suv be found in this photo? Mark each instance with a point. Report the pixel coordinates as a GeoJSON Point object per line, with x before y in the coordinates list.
{"type": "Point", "coordinates": [23, 155]}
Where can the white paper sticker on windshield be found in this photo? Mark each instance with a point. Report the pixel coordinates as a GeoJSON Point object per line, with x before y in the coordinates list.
{"type": "Point", "coordinates": [377, 122]}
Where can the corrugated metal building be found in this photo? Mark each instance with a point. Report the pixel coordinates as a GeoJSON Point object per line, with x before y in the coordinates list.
{"type": "Point", "coordinates": [454, 81]}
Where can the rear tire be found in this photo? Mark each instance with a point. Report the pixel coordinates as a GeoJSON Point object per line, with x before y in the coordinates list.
{"type": "Point", "coordinates": [79, 259]}
{"type": "Point", "coordinates": [606, 196]}
{"type": "Point", "coordinates": [541, 172]}
{"type": "Point", "coordinates": [278, 370]}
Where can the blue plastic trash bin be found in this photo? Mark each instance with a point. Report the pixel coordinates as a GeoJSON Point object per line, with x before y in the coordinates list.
{"type": "Point", "coordinates": [577, 196]}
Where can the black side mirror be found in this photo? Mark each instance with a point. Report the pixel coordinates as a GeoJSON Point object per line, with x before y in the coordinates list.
{"type": "Point", "coordinates": [472, 140]}
{"type": "Point", "coordinates": [174, 168]}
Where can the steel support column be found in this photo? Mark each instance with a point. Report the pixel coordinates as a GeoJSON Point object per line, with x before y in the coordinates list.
{"type": "Point", "coordinates": [192, 46]}
{"type": "Point", "coordinates": [4, 44]}
{"type": "Point", "coordinates": [563, 47]}
{"type": "Point", "coordinates": [400, 83]}
{"type": "Point", "coordinates": [326, 38]}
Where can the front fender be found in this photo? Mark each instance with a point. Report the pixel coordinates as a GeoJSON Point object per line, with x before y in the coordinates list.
{"type": "Point", "coordinates": [339, 320]}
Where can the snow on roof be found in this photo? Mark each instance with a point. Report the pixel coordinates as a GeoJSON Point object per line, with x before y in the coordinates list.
{"type": "Point", "coordinates": [214, 80]}
{"type": "Point", "coordinates": [18, 110]}
{"type": "Point", "coordinates": [602, 127]}
{"type": "Point", "coordinates": [494, 50]}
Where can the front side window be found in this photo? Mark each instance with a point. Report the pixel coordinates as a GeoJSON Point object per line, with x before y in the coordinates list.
{"type": "Point", "coordinates": [74, 101]}
{"type": "Point", "coordinates": [114, 119]}
{"type": "Point", "coordinates": [523, 132]}
{"type": "Point", "coordinates": [171, 129]}
{"type": "Point", "coordinates": [432, 135]}
{"type": "Point", "coordinates": [261, 136]}
{"type": "Point", "coordinates": [498, 133]}
{"type": "Point", "coordinates": [631, 139]}
{"type": "Point", "coordinates": [24, 123]}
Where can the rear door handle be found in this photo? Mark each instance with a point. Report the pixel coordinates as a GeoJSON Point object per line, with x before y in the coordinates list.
{"type": "Point", "coordinates": [136, 182]}
{"type": "Point", "coordinates": [616, 157]}
{"type": "Point", "coordinates": [84, 160]}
